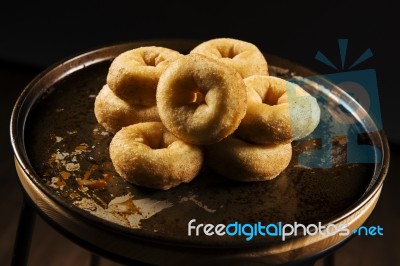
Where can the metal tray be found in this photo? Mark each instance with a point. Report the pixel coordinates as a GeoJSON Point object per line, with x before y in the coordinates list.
{"type": "Point", "coordinates": [63, 151]}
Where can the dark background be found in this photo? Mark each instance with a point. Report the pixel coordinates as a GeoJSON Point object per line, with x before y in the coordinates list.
{"type": "Point", "coordinates": [35, 34]}
{"type": "Point", "coordinates": [38, 34]}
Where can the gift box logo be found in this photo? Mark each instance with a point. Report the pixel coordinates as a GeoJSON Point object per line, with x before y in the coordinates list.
{"type": "Point", "coordinates": [354, 100]}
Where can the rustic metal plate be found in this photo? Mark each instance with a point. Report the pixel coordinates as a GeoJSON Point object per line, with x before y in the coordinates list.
{"type": "Point", "coordinates": [65, 150]}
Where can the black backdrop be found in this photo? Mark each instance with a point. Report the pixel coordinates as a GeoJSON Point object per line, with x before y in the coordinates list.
{"type": "Point", "coordinates": [39, 34]}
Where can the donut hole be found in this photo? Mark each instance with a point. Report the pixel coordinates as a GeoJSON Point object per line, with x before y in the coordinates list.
{"type": "Point", "coordinates": [157, 145]}
{"type": "Point", "coordinates": [198, 97]}
{"type": "Point", "coordinates": [188, 92]}
{"type": "Point", "coordinates": [193, 96]}
{"type": "Point", "coordinates": [272, 96]}
{"type": "Point", "coordinates": [151, 136]}
{"type": "Point", "coordinates": [269, 90]}
{"type": "Point", "coordinates": [270, 99]}
{"type": "Point", "coordinates": [156, 140]}
{"type": "Point", "coordinates": [152, 59]}
{"type": "Point", "coordinates": [228, 52]}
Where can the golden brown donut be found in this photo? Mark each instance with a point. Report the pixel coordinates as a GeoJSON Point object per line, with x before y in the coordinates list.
{"type": "Point", "coordinates": [272, 116]}
{"type": "Point", "coordinates": [244, 57]}
{"type": "Point", "coordinates": [113, 113]}
{"type": "Point", "coordinates": [133, 75]}
{"type": "Point", "coordinates": [201, 100]}
{"type": "Point", "coordinates": [244, 161]}
{"type": "Point", "coordinates": [146, 154]}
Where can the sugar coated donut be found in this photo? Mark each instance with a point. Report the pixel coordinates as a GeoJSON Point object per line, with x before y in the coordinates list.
{"type": "Point", "coordinates": [242, 56]}
{"type": "Point", "coordinates": [245, 161]}
{"type": "Point", "coordinates": [278, 111]}
{"type": "Point", "coordinates": [201, 100]}
{"type": "Point", "coordinates": [113, 113]}
{"type": "Point", "coordinates": [133, 75]}
{"type": "Point", "coordinates": [146, 154]}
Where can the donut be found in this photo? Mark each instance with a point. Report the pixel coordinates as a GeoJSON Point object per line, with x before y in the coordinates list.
{"type": "Point", "coordinates": [278, 111]}
{"type": "Point", "coordinates": [147, 155]}
{"type": "Point", "coordinates": [201, 100]}
{"type": "Point", "coordinates": [243, 56]}
{"type": "Point", "coordinates": [133, 75]}
{"type": "Point", "coordinates": [245, 161]}
{"type": "Point", "coordinates": [113, 113]}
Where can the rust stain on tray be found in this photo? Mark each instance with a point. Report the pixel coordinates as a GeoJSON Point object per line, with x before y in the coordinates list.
{"type": "Point", "coordinates": [124, 210]}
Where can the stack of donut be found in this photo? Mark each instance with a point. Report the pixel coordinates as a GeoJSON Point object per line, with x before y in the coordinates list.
{"type": "Point", "coordinates": [171, 112]}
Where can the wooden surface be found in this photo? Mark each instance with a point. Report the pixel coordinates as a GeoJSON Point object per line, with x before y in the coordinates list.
{"type": "Point", "coordinates": [51, 248]}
